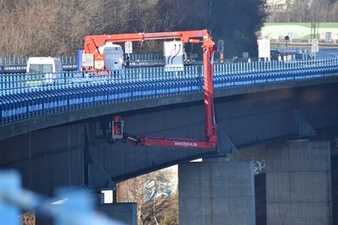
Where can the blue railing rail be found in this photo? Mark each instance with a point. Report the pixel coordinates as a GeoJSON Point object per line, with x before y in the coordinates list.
{"type": "Point", "coordinates": [24, 96]}
{"type": "Point", "coordinates": [17, 64]}
{"type": "Point", "coordinates": [22, 69]}
{"type": "Point", "coordinates": [22, 83]}
{"type": "Point", "coordinates": [13, 60]}
{"type": "Point", "coordinates": [69, 207]}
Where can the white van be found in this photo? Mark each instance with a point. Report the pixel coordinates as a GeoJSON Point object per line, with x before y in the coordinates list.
{"type": "Point", "coordinates": [43, 65]}
{"type": "Point", "coordinates": [113, 56]}
{"type": "Point", "coordinates": [48, 66]}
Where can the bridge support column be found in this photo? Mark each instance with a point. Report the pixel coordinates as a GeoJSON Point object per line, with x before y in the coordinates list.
{"type": "Point", "coordinates": [126, 213]}
{"type": "Point", "coordinates": [216, 192]}
{"type": "Point", "coordinates": [298, 183]}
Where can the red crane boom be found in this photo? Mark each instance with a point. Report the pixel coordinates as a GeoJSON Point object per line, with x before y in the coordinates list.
{"type": "Point", "coordinates": [203, 37]}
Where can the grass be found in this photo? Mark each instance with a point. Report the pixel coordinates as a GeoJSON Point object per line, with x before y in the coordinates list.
{"type": "Point", "coordinates": [299, 30]}
{"type": "Point", "coordinates": [323, 25]}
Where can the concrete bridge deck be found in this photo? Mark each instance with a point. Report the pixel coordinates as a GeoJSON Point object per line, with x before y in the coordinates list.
{"type": "Point", "coordinates": [72, 147]}
{"type": "Point", "coordinates": [24, 109]}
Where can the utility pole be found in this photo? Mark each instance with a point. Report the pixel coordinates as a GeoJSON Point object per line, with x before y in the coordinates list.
{"type": "Point", "coordinates": [315, 29]}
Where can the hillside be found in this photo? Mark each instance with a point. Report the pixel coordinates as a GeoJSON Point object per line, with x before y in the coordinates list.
{"type": "Point", "coordinates": [54, 27]}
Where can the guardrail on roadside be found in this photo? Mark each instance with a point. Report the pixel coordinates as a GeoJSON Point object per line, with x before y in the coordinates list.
{"type": "Point", "coordinates": [22, 69]}
{"type": "Point", "coordinates": [24, 96]}
{"type": "Point", "coordinates": [13, 60]}
{"type": "Point", "coordinates": [17, 64]}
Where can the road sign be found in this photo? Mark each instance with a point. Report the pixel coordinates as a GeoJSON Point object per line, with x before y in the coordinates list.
{"type": "Point", "coordinates": [264, 48]}
{"type": "Point", "coordinates": [173, 53]}
{"type": "Point", "coordinates": [314, 46]}
{"type": "Point", "coordinates": [328, 37]}
{"type": "Point", "coordinates": [128, 47]}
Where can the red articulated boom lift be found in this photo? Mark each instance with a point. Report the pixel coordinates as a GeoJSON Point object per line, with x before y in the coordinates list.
{"type": "Point", "coordinates": [197, 37]}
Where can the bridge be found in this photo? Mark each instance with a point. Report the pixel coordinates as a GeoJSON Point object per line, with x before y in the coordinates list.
{"type": "Point", "coordinates": [57, 133]}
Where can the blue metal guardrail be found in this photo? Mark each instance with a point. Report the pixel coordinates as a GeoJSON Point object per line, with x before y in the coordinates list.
{"type": "Point", "coordinates": [70, 207]}
{"type": "Point", "coordinates": [22, 60]}
{"type": "Point", "coordinates": [17, 64]}
{"type": "Point", "coordinates": [22, 68]}
{"type": "Point", "coordinates": [71, 60]}
{"type": "Point", "coordinates": [24, 96]}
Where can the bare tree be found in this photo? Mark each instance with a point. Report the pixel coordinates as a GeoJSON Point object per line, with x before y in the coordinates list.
{"type": "Point", "coordinates": [154, 193]}
{"type": "Point", "coordinates": [54, 27]}
{"type": "Point", "coordinates": [47, 27]}
{"type": "Point", "coordinates": [305, 11]}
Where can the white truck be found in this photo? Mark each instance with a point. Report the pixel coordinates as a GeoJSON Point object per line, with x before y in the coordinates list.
{"type": "Point", "coordinates": [49, 67]}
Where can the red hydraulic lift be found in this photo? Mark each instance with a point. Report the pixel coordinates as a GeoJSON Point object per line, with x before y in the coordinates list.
{"type": "Point", "coordinates": [196, 37]}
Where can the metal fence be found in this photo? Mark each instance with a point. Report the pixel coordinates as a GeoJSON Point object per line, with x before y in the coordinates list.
{"type": "Point", "coordinates": [72, 60]}
{"type": "Point", "coordinates": [23, 96]}
{"type": "Point", "coordinates": [69, 207]}
{"type": "Point", "coordinates": [22, 60]}
{"type": "Point", "coordinates": [13, 60]}
{"type": "Point", "coordinates": [17, 64]}
{"type": "Point", "coordinates": [146, 57]}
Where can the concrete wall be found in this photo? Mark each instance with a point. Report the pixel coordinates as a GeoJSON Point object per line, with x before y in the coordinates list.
{"type": "Point", "coordinates": [216, 192]}
{"type": "Point", "coordinates": [298, 180]}
{"type": "Point", "coordinates": [79, 154]}
{"type": "Point", "coordinates": [47, 159]}
{"type": "Point", "coordinates": [260, 198]}
{"type": "Point", "coordinates": [335, 188]}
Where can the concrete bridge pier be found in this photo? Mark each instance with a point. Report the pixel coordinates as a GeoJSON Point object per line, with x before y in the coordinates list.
{"type": "Point", "coordinates": [298, 183]}
{"type": "Point", "coordinates": [298, 180]}
{"type": "Point", "coordinates": [216, 192]}
{"type": "Point", "coordinates": [125, 213]}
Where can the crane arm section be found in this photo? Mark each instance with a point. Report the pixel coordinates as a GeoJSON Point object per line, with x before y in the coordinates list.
{"type": "Point", "coordinates": [198, 36]}
{"type": "Point", "coordinates": [92, 42]}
